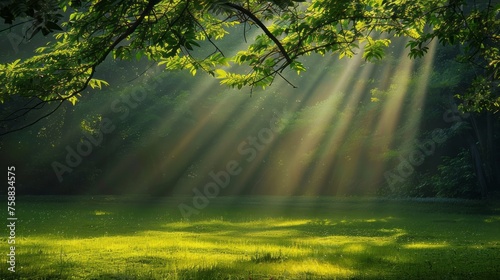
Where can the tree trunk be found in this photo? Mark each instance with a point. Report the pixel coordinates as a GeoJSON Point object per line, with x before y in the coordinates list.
{"type": "Point", "coordinates": [492, 163]}
{"type": "Point", "coordinates": [484, 153]}
{"type": "Point", "coordinates": [479, 169]}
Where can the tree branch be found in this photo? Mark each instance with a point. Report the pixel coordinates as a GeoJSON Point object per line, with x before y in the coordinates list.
{"type": "Point", "coordinates": [122, 37]}
{"type": "Point", "coordinates": [263, 27]}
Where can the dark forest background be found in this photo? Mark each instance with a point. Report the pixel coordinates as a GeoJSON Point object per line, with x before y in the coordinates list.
{"type": "Point", "coordinates": [347, 129]}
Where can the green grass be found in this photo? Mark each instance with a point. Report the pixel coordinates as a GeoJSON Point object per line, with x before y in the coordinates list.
{"type": "Point", "coordinates": [254, 238]}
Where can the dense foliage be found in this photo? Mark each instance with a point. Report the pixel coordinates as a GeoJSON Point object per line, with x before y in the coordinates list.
{"type": "Point", "coordinates": [171, 32]}
{"type": "Point", "coordinates": [273, 40]}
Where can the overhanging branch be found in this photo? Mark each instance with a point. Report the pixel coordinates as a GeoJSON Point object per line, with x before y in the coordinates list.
{"type": "Point", "coordinates": [122, 37]}
{"type": "Point", "coordinates": [264, 28]}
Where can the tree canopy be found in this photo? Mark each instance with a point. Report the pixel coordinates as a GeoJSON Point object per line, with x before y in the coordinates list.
{"type": "Point", "coordinates": [187, 34]}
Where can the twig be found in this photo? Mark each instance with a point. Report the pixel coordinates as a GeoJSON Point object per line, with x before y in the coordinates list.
{"type": "Point", "coordinates": [263, 27]}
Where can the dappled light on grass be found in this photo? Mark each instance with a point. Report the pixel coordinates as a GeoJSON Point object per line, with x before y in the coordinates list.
{"type": "Point", "coordinates": [425, 246]}
{"type": "Point", "coordinates": [493, 219]}
{"type": "Point", "coordinates": [343, 239]}
{"type": "Point", "coordinates": [100, 213]}
{"type": "Point", "coordinates": [257, 246]}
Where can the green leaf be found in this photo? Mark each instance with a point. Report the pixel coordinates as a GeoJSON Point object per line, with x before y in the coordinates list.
{"type": "Point", "coordinates": [13, 64]}
{"type": "Point", "coordinates": [220, 74]}
{"type": "Point", "coordinates": [139, 54]}
{"type": "Point", "coordinates": [96, 83]}
{"type": "Point", "coordinates": [297, 66]}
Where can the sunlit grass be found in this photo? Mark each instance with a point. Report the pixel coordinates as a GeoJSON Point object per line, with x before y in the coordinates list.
{"type": "Point", "coordinates": [255, 238]}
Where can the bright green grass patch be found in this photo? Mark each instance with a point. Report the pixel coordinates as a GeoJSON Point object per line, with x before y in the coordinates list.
{"type": "Point", "coordinates": [254, 238]}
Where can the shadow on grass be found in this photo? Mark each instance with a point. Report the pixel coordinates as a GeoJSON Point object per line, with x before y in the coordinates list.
{"type": "Point", "coordinates": [87, 217]}
{"type": "Point", "coordinates": [377, 240]}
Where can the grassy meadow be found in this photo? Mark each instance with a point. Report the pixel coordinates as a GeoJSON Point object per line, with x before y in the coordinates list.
{"type": "Point", "coordinates": [254, 238]}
